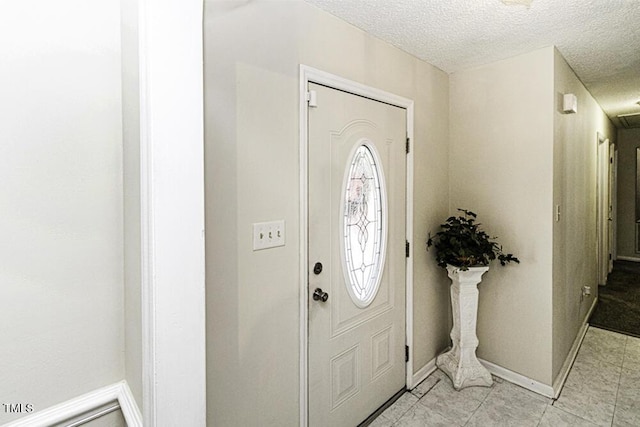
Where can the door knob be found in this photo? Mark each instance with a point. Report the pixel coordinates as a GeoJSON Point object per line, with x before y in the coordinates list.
{"type": "Point", "coordinates": [317, 269]}
{"type": "Point", "coordinates": [320, 295]}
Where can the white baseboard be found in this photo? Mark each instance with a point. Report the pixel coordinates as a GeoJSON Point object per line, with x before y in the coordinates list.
{"type": "Point", "coordinates": [516, 378]}
{"type": "Point", "coordinates": [628, 258]}
{"type": "Point", "coordinates": [75, 407]}
{"type": "Point", "coordinates": [573, 353]}
{"type": "Point", "coordinates": [496, 370]}
{"type": "Point", "coordinates": [571, 357]}
{"type": "Point", "coordinates": [593, 307]}
{"type": "Point", "coordinates": [536, 386]}
{"type": "Point", "coordinates": [423, 373]}
{"type": "Point", "coordinates": [521, 380]}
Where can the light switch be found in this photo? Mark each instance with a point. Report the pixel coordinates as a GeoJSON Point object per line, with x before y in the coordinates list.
{"type": "Point", "coordinates": [268, 235]}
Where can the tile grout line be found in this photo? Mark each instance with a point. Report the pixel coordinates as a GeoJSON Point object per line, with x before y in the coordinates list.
{"type": "Point", "coordinates": [605, 362]}
{"type": "Point", "coordinates": [430, 388]}
{"type": "Point", "coordinates": [624, 356]}
{"type": "Point", "coordinates": [394, 423]}
{"type": "Point", "coordinates": [493, 388]}
{"type": "Point", "coordinates": [624, 350]}
{"type": "Point", "coordinates": [544, 412]}
{"type": "Point", "coordinates": [421, 397]}
{"type": "Point", "coordinates": [577, 416]}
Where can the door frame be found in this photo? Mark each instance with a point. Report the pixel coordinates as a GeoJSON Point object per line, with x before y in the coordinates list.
{"type": "Point", "coordinates": [614, 201]}
{"type": "Point", "coordinates": [611, 210]}
{"type": "Point", "coordinates": [313, 75]}
{"type": "Point", "coordinates": [602, 207]}
{"type": "Point", "coordinates": [172, 241]}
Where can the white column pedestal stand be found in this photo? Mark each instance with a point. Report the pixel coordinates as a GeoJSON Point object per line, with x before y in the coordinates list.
{"type": "Point", "coordinates": [460, 363]}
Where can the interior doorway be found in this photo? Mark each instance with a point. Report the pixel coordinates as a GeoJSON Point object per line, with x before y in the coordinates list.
{"type": "Point", "coordinates": [604, 204]}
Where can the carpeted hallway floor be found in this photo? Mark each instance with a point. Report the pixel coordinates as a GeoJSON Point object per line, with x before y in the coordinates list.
{"type": "Point", "coordinates": [618, 307]}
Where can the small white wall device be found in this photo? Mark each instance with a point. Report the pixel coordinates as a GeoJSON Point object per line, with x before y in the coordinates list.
{"type": "Point", "coordinates": [569, 103]}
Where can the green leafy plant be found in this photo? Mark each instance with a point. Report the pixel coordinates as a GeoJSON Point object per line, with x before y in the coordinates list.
{"type": "Point", "coordinates": [463, 244]}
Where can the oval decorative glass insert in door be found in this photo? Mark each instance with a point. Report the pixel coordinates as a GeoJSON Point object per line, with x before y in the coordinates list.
{"type": "Point", "coordinates": [364, 225]}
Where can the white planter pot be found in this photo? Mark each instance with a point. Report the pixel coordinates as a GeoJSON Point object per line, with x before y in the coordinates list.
{"type": "Point", "coordinates": [460, 363]}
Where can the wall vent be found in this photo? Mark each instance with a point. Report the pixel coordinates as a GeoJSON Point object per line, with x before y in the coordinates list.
{"type": "Point", "coordinates": [630, 120]}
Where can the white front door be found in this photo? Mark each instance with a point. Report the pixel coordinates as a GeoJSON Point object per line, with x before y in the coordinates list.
{"type": "Point", "coordinates": [357, 216]}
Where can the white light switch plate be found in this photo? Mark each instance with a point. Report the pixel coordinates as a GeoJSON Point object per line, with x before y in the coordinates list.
{"type": "Point", "coordinates": [268, 235]}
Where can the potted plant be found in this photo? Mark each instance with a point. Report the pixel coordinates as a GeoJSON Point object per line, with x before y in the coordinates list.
{"type": "Point", "coordinates": [461, 243]}
{"type": "Point", "coordinates": [465, 250]}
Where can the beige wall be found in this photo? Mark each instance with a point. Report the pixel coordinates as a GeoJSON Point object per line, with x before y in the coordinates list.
{"type": "Point", "coordinates": [61, 316]}
{"type": "Point", "coordinates": [574, 190]}
{"type": "Point", "coordinates": [514, 157]}
{"type": "Point", "coordinates": [501, 168]}
{"type": "Point", "coordinates": [628, 141]}
{"type": "Point", "coordinates": [252, 56]}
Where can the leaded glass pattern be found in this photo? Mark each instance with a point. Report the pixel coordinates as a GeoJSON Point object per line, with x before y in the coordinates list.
{"type": "Point", "coordinates": [363, 226]}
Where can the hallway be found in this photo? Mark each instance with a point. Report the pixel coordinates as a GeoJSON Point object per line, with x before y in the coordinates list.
{"type": "Point", "coordinates": [602, 389]}
{"type": "Point", "coordinates": [618, 308]}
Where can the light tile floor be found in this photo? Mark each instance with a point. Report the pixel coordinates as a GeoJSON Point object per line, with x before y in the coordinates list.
{"type": "Point", "coordinates": [602, 389]}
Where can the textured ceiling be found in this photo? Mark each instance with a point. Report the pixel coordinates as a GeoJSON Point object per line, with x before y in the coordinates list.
{"type": "Point", "coordinates": [599, 38]}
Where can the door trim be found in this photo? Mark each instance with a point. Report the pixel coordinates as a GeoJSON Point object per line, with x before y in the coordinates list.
{"type": "Point", "coordinates": [172, 241]}
{"type": "Point", "coordinates": [313, 75]}
{"type": "Point", "coordinates": [611, 210]}
{"type": "Point", "coordinates": [614, 201]}
{"type": "Point", "coordinates": [602, 197]}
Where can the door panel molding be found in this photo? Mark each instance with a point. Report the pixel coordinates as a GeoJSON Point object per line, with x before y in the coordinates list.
{"type": "Point", "coordinates": [313, 75]}
{"type": "Point", "coordinates": [340, 327]}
